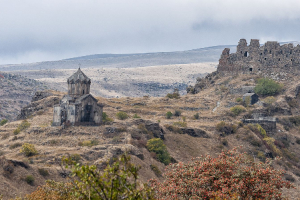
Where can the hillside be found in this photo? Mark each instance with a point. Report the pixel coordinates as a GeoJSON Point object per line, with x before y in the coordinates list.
{"type": "Point", "coordinates": [209, 54]}
{"type": "Point", "coordinates": [16, 92]}
{"type": "Point", "coordinates": [185, 136]}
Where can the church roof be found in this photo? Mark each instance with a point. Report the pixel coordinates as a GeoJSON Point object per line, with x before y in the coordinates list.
{"type": "Point", "coordinates": [79, 76]}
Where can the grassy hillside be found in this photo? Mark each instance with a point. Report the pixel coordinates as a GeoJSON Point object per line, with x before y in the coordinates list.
{"type": "Point", "coordinates": [205, 124]}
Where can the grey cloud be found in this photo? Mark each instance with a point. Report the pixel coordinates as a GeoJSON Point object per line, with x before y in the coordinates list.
{"type": "Point", "coordinates": [34, 30]}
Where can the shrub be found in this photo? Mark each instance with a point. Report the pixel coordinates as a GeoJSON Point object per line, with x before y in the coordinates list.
{"type": "Point", "coordinates": [155, 169]}
{"type": "Point", "coordinates": [29, 179]}
{"type": "Point", "coordinates": [226, 128]}
{"type": "Point", "coordinates": [88, 143]}
{"type": "Point", "coordinates": [169, 115]}
{"type": "Point", "coordinates": [231, 175]}
{"type": "Point", "coordinates": [174, 95]}
{"type": "Point", "coordinates": [236, 110]}
{"type": "Point", "coordinates": [239, 99]}
{"type": "Point", "coordinates": [53, 190]}
{"type": "Point", "coordinates": [136, 116]}
{"type": "Point", "coordinates": [28, 149]}
{"type": "Point", "coordinates": [24, 125]}
{"type": "Point", "coordinates": [173, 129]}
{"type": "Point", "coordinates": [116, 181]}
{"type": "Point", "coordinates": [75, 157]}
{"type": "Point", "coordinates": [17, 131]}
{"type": "Point", "coordinates": [3, 121]}
{"type": "Point", "coordinates": [43, 172]}
{"type": "Point", "coordinates": [157, 146]}
{"type": "Point", "coordinates": [196, 116]}
{"type": "Point", "coordinates": [15, 145]}
{"type": "Point", "coordinates": [267, 87]}
{"type": "Point", "coordinates": [177, 113]}
{"type": "Point", "coordinates": [122, 115]}
{"type": "Point", "coordinates": [105, 118]}
{"type": "Point", "coordinates": [269, 100]}
{"type": "Point", "coordinates": [180, 124]}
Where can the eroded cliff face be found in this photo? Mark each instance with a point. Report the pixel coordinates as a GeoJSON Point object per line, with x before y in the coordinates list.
{"type": "Point", "coordinates": [271, 59]}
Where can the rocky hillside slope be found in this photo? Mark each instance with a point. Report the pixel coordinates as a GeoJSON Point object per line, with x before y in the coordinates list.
{"type": "Point", "coordinates": [204, 125]}
{"type": "Point", "coordinates": [16, 92]}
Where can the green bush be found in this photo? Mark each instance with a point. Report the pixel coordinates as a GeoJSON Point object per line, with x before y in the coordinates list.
{"type": "Point", "coordinates": [43, 172]}
{"type": "Point", "coordinates": [28, 149]}
{"type": "Point", "coordinates": [105, 118]}
{"type": "Point", "coordinates": [29, 179]}
{"type": "Point", "coordinates": [174, 95]}
{"type": "Point", "coordinates": [17, 131]}
{"type": "Point", "coordinates": [136, 116]}
{"type": "Point", "coordinates": [236, 110]}
{"type": "Point", "coordinates": [88, 143]}
{"type": "Point", "coordinates": [157, 146]}
{"type": "Point", "coordinates": [267, 87]}
{"type": "Point", "coordinates": [196, 116]}
{"type": "Point", "coordinates": [75, 157]}
{"type": "Point", "coordinates": [239, 99]}
{"type": "Point", "coordinates": [122, 115]}
{"type": "Point", "coordinates": [169, 115]}
{"type": "Point", "coordinates": [3, 121]}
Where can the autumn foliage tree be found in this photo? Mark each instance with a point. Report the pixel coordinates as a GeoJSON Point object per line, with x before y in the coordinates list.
{"type": "Point", "coordinates": [231, 175]}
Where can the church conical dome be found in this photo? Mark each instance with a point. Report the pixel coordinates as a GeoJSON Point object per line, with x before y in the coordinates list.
{"type": "Point", "coordinates": [79, 76]}
{"type": "Point", "coordinates": [78, 84]}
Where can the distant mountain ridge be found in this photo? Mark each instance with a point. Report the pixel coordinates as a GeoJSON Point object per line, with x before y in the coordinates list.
{"type": "Point", "coordinates": [208, 54]}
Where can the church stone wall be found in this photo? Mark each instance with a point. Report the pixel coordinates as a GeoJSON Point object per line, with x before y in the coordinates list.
{"type": "Point", "coordinates": [269, 59]}
{"type": "Point", "coordinates": [57, 116]}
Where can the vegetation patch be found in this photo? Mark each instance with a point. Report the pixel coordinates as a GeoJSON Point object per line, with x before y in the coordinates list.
{"type": "Point", "coordinates": [174, 129]}
{"type": "Point", "coordinates": [29, 179]}
{"type": "Point", "coordinates": [43, 172]}
{"type": "Point", "coordinates": [28, 150]}
{"type": "Point", "coordinates": [169, 114]}
{"type": "Point", "coordinates": [122, 115]}
{"type": "Point", "coordinates": [15, 145]}
{"type": "Point", "coordinates": [3, 121]}
{"type": "Point", "coordinates": [196, 116]}
{"type": "Point", "coordinates": [155, 169]}
{"type": "Point", "coordinates": [267, 87]}
{"type": "Point", "coordinates": [236, 110]}
{"type": "Point", "coordinates": [88, 143]}
{"type": "Point", "coordinates": [105, 118]}
{"type": "Point", "coordinates": [136, 116]}
{"type": "Point", "coordinates": [226, 128]}
{"type": "Point", "coordinates": [157, 146]}
{"type": "Point", "coordinates": [180, 124]}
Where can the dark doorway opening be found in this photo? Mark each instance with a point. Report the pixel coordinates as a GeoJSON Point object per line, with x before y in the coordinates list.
{"type": "Point", "coordinates": [246, 54]}
{"type": "Point", "coordinates": [250, 69]}
{"type": "Point", "coordinates": [87, 113]}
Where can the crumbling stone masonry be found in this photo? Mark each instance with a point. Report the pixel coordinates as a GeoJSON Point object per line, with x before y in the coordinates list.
{"type": "Point", "coordinates": [269, 59]}
{"type": "Point", "coordinates": [79, 107]}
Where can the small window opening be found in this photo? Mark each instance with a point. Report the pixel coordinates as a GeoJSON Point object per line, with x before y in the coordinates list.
{"type": "Point", "coordinates": [260, 53]}
{"type": "Point", "coordinates": [265, 58]}
{"type": "Point", "coordinates": [291, 59]}
{"type": "Point", "coordinates": [258, 69]}
{"type": "Point", "coordinates": [82, 91]}
{"type": "Point", "coordinates": [250, 69]}
{"type": "Point", "coordinates": [270, 52]}
{"type": "Point", "coordinates": [246, 54]}
{"type": "Point", "coordinates": [278, 59]}
{"type": "Point", "coordinates": [241, 52]}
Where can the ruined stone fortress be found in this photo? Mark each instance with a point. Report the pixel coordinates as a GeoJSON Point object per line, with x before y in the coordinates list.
{"type": "Point", "coordinates": [78, 107]}
{"type": "Point", "coordinates": [271, 59]}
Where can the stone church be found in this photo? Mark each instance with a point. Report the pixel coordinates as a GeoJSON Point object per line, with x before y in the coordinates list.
{"type": "Point", "coordinates": [78, 107]}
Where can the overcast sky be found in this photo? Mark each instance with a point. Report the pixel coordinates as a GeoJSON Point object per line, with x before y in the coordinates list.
{"type": "Point", "coordinates": [40, 30]}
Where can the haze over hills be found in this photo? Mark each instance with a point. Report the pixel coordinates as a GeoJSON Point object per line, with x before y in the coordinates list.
{"type": "Point", "coordinates": [208, 54]}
